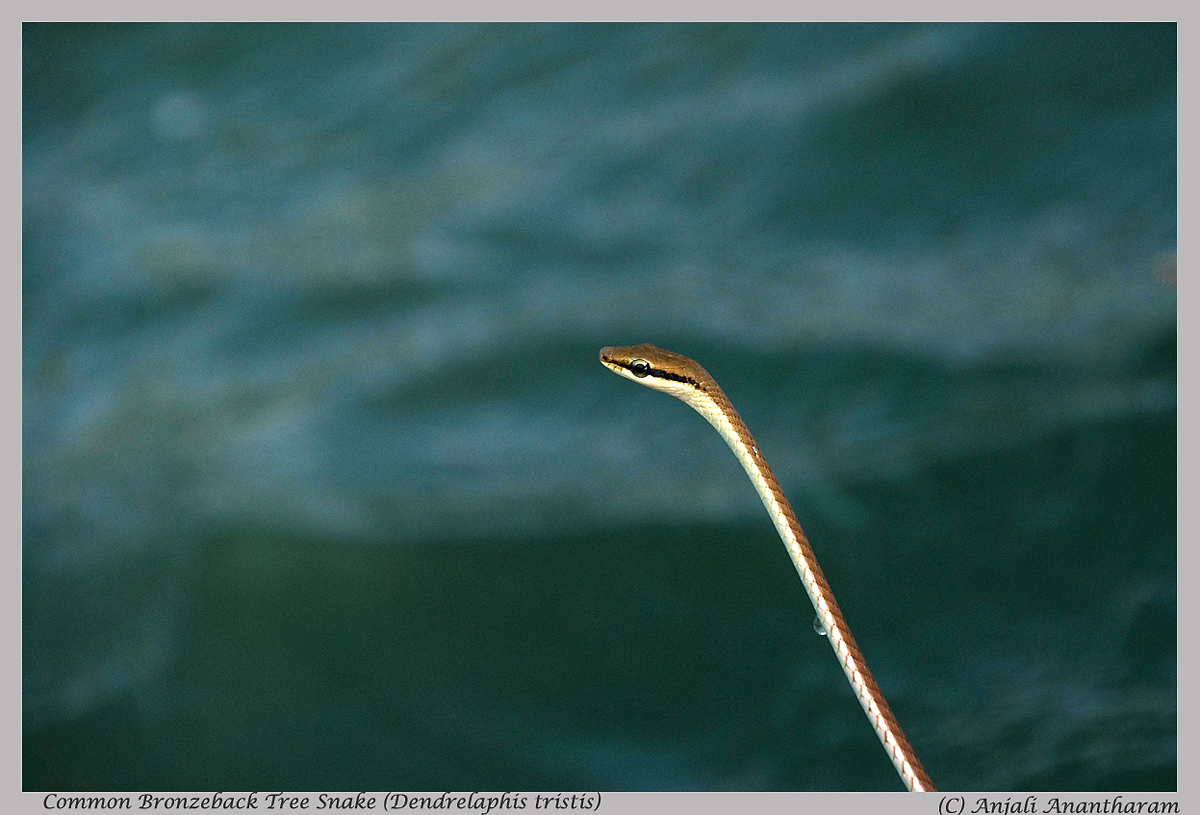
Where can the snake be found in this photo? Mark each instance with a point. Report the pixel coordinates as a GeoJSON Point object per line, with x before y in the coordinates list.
{"type": "Point", "coordinates": [684, 379]}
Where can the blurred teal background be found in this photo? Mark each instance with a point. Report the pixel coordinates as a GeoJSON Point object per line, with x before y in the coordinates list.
{"type": "Point", "coordinates": [325, 488]}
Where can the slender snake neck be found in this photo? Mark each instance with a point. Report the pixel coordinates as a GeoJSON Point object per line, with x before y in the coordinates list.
{"type": "Point", "coordinates": [684, 379]}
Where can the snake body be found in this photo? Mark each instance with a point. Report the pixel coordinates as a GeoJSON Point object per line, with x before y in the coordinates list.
{"type": "Point", "coordinates": [683, 378]}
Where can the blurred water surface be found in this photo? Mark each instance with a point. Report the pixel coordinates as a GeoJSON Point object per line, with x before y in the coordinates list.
{"type": "Point", "coordinates": [324, 487]}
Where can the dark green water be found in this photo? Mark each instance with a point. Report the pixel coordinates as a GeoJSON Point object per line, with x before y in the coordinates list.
{"type": "Point", "coordinates": [324, 487]}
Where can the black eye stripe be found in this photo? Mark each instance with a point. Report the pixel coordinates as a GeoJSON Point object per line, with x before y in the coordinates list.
{"type": "Point", "coordinates": [642, 369]}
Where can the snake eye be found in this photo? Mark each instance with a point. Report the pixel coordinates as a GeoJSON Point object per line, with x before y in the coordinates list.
{"type": "Point", "coordinates": [639, 367]}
